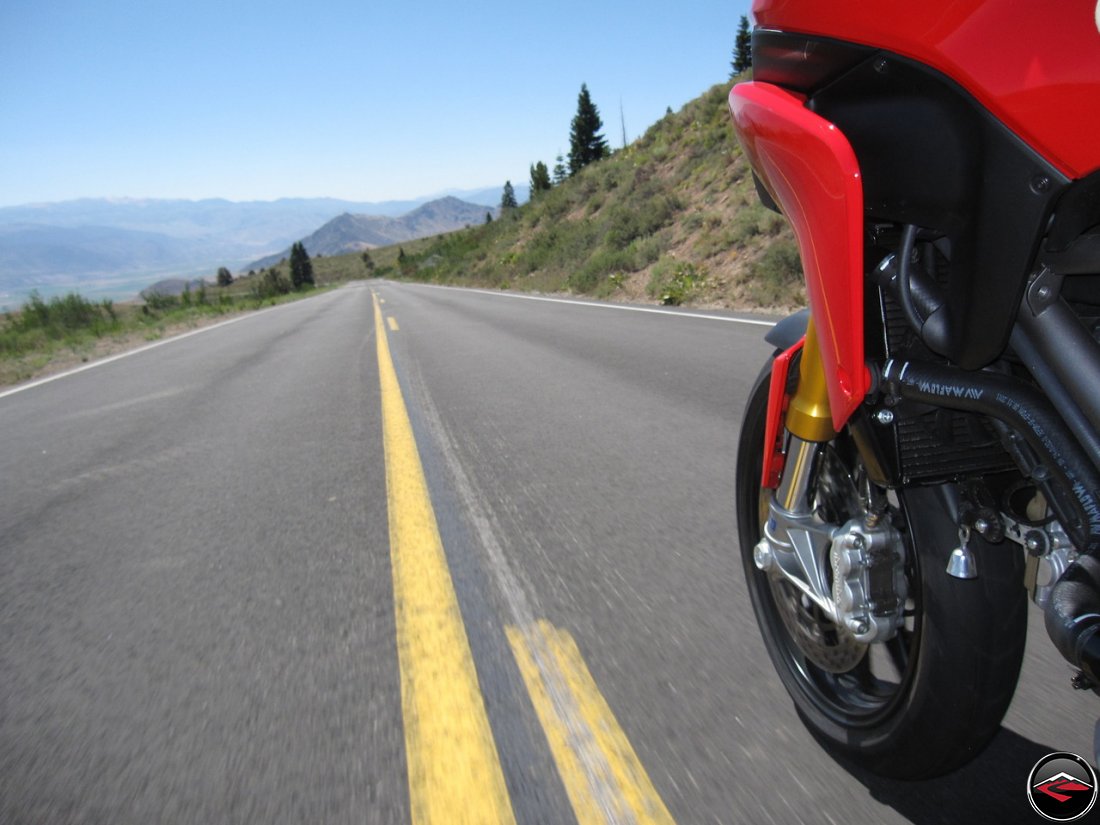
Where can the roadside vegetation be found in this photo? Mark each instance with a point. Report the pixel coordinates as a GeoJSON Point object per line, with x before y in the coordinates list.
{"type": "Point", "coordinates": [63, 331]}
{"type": "Point", "coordinates": [671, 218]}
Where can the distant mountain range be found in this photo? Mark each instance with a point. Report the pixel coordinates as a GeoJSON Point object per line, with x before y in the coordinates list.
{"type": "Point", "coordinates": [105, 247]}
{"type": "Point", "coordinates": [354, 233]}
{"type": "Point", "coordinates": [36, 254]}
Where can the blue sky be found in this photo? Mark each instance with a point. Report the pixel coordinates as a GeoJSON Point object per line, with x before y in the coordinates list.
{"type": "Point", "coordinates": [359, 100]}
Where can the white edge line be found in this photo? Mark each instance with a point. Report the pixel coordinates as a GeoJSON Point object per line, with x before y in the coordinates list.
{"type": "Point", "coordinates": [120, 355]}
{"type": "Point", "coordinates": [653, 310]}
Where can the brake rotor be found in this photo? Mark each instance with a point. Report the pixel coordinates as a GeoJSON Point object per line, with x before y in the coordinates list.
{"type": "Point", "coordinates": [829, 646]}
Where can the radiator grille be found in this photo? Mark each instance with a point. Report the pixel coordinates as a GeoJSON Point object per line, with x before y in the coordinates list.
{"type": "Point", "coordinates": [945, 444]}
{"type": "Point", "coordinates": [937, 444]}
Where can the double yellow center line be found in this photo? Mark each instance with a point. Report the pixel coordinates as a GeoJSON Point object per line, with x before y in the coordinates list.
{"type": "Point", "coordinates": [452, 760]}
{"type": "Point", "coordinates": [454, 771]}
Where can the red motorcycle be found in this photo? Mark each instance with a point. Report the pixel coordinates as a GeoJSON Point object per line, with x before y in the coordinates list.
{"type": "Point", "coordinates": [923, 452]}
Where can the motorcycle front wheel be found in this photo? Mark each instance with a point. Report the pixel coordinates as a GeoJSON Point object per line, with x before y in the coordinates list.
{"type": "Point", "coordinates": [926, 701]}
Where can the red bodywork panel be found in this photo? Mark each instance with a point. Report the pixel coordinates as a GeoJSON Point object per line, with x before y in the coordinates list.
{"type": "Point", "coordinates": [1051, 99]}
{"type": "Point", "coordinates": [810, 170]}
{"type": "Point", "coordinates": [774, 457]}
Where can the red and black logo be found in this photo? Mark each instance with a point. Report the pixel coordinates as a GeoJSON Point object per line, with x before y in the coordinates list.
{"type": "Point", "coordinates": [1062, 787]}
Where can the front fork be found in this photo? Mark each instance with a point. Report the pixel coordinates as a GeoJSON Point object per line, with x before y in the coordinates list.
{"type": "Point", "coordinates": [867, 590]}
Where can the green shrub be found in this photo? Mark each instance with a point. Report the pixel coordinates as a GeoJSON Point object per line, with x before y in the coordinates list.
{"type": "Point", "coordinates": [777, 277]}
{"type": "Point", "coordinates": [65, 315]}
{"type": "Point", "coordinates": [692, 221]}
{"type": "Point", "coordinates": [672, 282]}
{"type": "Point", "coordinates": [159, 303]}
{"type": "Point", "coordinates": [270, 285]}
{"type": "Point", "coordinates": [583, 280]}
{"type": "Point", "coordinates": [644, 251]}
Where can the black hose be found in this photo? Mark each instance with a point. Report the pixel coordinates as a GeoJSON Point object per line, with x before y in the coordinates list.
{"type": "Point", "coordinates": [1028, 414]}
{"type": "Point", "coordinates": [920, 297]}
{"type": "Point", "coordinates": [904, 286]}
{"type": "Point", "coordinates": [1073, 616]}
{"type": "Point", "coordinates": [1056, 391]}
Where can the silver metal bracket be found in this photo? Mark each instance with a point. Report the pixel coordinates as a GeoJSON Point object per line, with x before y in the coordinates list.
{"type": "Point", "coordinates": [1049, 554]}
{"type": "Point", "coordinates": [854, 572]}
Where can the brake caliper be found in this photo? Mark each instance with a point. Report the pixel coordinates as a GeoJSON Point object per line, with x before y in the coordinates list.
{"type": "Point", "coordinates": [869, 587]}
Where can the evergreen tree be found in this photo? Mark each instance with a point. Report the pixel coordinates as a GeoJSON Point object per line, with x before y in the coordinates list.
{"type": "Point", "coordinates": [508, 198]}
{"type": "Point", "coordinates": [301, 268]}
{"type": "Point", "coordinates": [560, 172]}
{"type": "Point", "coordinates": [586, 144]}
{"type": "Point", "coordinates": [540, 178]}
{"type": "Point", "coordinates": [405, 263]}
{"type": "Point", "coordinates": [488, 217]}
{"type": "Point", "coordinates": [742, 47]}
{"type": "Point", "coordinates": [225, 277]}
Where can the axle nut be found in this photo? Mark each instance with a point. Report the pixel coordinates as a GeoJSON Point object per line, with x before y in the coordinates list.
{"type": "Point", "coordinates": [762, 555]}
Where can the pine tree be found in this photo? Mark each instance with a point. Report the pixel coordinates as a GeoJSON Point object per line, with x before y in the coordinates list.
{"type": "Point", "coordinates": [301, 268]}
{"type": "Point", "coordinates": [586, 144]}
{"type": "Point", "coordinates": [508, 197]}
{"type": "Point", "coordinates": [560, 172]}
{"type": "Point", "coordinates": [742, 47]}
{"type": "Point", "coordinates": [225, 277]}
{"type": "Point", "coordinates": [540, 179]}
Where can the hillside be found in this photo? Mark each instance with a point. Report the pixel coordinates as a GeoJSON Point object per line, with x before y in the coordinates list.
{"type": "Point", "coordinates": [349, 233]}
{"type": "Point", "coordinates": [672, 218]}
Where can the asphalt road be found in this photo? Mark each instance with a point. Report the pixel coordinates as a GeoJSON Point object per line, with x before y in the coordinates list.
{"type": "Point", "coordinates": [203, 616]}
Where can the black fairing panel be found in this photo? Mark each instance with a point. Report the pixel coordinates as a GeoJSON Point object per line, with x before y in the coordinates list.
{"type": "Point", "coordinates": [931, 155]}
{"type": "Point", "coordinates": [1077, 211]}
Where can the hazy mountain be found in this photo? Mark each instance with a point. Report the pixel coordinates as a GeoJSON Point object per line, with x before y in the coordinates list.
{"type": "Point", "coordinates": [102, 246]}
{"type": "Point", "coordinates": [32, 254]}
{"type": "Point", "coordinates": [489, 196]}
{"type": "Point", "coordinates": [352, 233]}
{"type": "Point", "coordinates": [244, 222]}
{"type": "Point", "coordinates": [247, 227]}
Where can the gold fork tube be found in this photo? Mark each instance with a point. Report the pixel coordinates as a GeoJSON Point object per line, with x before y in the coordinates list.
{"type": "Point", "coordinates": [808, 415]}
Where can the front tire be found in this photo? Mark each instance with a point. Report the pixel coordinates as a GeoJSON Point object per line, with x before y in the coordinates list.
{"type": "Point", "coordinates": [927, 701]}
